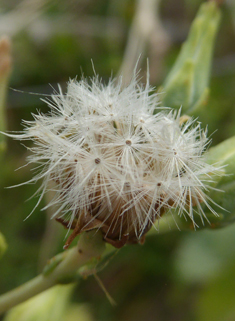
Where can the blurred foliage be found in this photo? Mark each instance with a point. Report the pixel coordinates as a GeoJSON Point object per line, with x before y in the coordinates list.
{"type": "Point", "coordinates": [209, 303]}
{"type": "Point", "coordinates": [3, 245]}
{"type": "Point", "coordinates": [174, 276]}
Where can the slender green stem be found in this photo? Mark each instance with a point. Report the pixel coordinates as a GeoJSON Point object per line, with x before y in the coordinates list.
{"type": "Point", "coordinates": [63, 266]}
{"type": "Point", "coordinates": [24, 292]}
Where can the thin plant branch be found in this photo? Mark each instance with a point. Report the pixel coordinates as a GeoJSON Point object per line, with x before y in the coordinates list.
{"type": "Point", "coordinates": [45, 27]}
{"type": "Point", "coordinates": [22, 15]}
{"type": "Point", "coordinates": [146, 33]}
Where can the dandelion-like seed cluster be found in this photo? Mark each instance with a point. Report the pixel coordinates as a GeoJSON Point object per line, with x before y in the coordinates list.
{"type": "Point", "coordinates": [116, 161]}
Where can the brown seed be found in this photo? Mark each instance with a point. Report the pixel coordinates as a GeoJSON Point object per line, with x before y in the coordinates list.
{"type": "Point", "coordinates": [128, 142]}
{"type": "Point", "coordinates": [97, 161]}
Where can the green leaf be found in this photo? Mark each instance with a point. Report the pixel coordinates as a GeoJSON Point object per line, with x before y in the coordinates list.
{"type": "Point", "coordinates": [188, 81]}
{"type": "Point", "coordinates": [224, 155]}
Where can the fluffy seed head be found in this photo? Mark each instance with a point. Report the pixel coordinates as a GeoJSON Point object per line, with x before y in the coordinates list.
{"type": "Point", "coordinates": [116, 161]}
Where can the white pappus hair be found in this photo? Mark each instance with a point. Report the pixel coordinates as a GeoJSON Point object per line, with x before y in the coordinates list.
{"type": "Point", "coordinates": [117, 161]}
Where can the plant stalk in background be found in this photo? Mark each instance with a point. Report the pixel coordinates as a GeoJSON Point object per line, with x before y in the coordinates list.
{"type": "Point", "coordinates": [5, 69]}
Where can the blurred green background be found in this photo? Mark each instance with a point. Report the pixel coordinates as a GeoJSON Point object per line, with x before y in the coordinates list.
{"type": "Point", "coordinates": [175, 275]}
